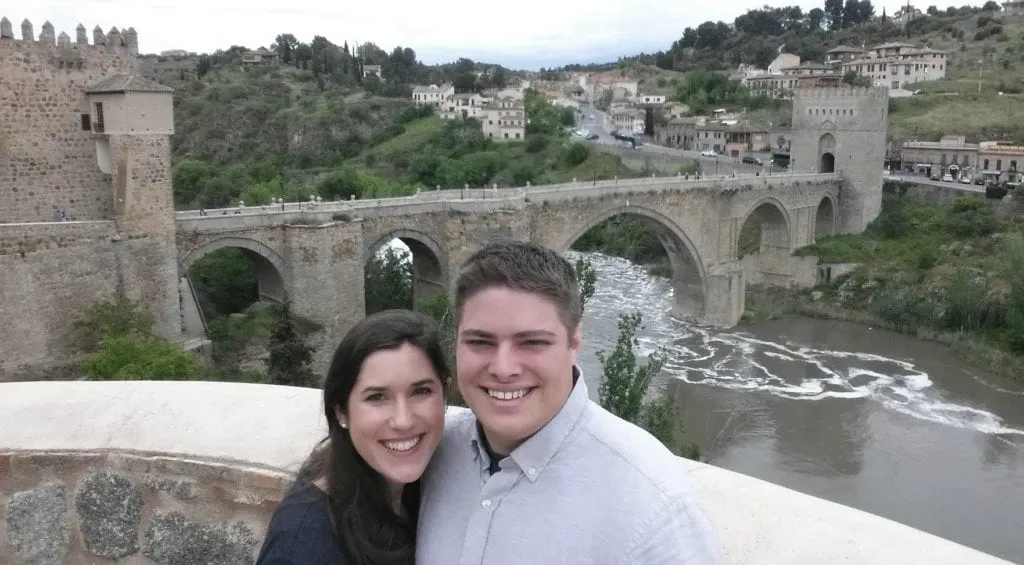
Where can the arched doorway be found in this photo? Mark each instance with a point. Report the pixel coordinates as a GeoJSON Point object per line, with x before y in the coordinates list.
{"type": "Point", "coordinates": [825, 218]}
{"type": "Point", "coordinates": [764, 237]}
{"type": "Point", "coordinates": [827, 154]}
{"type": "Point", "coordinates": [685, 269]}
{"type": "Point", "coordinates": [403, 268]}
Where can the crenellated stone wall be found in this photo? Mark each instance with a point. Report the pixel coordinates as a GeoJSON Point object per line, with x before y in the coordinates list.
{"type": "Point", "coordinates": [47, 160]}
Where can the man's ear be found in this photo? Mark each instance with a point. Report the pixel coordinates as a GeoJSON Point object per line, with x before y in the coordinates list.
{"type": "Point", "coordinates": [576, 341]}
{"type": "Point", "coordinates": [339, 415]}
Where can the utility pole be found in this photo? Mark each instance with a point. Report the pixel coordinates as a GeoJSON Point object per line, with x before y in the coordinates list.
{"type": "Point", "coordinates": [981, 69]}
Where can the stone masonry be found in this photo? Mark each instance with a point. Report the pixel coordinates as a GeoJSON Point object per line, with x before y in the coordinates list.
{"type": "Point", "coordinates": [320, 261]}
{"type": "Point", "coordinates": [46, 159]}
{"type": "Point", "coordinates": [86, 508]}
{"type": "Point", "coordinates": [113, 182]}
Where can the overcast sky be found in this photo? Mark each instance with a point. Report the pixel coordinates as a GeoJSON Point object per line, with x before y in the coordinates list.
{"type": "Point", "coordinates": [520, 34]}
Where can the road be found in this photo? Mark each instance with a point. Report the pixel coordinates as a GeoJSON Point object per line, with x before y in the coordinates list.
{"type": "Point", "coordinates": [711, 165]}
{"type": "Point", "coordinates": [919, 179]}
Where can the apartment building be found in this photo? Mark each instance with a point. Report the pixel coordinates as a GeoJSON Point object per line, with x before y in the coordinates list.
{"type": "Point", "coordinates": [432, 95]}
{"type": "Point", "coordinates": [834, 58]}
{"type": "Point", "coordinates": [955, 156]}
{"type": "Point", "coordinates": [731, 139]}
{"type": "Point", "coordinates": [625, 118]}
{"type": "Point", "coordinates": [464, 106]}
{"type": "Point", "coordinates": [504, 119]}
{"type": "Point", "coordinates": [896, 65]}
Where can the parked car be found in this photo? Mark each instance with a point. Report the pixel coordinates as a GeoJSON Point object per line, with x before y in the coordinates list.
{"type": "Point", "coordinates": [947, 178]}
{"type": "Point", "coordinates": [752, 161]}
{"type": "Point", "coordinates": [965, 180]}
{"type": "Point", "coordinates": [593, 137]}
{"type": "Point", "coordinates": [708, 153]}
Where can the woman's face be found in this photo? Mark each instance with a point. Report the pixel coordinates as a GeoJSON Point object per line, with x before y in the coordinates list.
{"type": "Point", "coordinates": [395, 413]}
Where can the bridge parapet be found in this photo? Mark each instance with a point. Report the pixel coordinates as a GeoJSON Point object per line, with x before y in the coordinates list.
{"type": "Point", "coordinates": [471, 200]}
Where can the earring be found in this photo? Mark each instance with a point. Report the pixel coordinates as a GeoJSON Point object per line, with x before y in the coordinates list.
{"type": "Point", "coordinates": [344, 424]}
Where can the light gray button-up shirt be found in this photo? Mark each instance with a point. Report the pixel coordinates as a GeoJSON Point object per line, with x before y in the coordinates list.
{"type": "Point", "coordinates": [588, 488]}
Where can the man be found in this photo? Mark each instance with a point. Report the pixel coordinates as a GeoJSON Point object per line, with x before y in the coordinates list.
{"type": "Point", "coordinates": [538, 473]}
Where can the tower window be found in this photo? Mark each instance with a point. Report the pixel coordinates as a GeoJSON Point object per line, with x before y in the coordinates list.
{"type": "Point", "coordinates": [98, 124]}
{"type": "Point", "coordinates": [86, 122]}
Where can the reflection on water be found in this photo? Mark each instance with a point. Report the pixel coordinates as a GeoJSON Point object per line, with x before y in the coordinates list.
{"type": "Point", "coordinates": [868, 418]}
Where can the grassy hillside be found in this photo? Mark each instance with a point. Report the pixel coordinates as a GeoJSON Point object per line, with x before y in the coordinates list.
{"type": "Point", "coordinates": [954, 273]}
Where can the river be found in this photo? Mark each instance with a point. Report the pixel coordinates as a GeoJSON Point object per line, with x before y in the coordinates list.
{"type": "Point", "coordinates": [864, 417]}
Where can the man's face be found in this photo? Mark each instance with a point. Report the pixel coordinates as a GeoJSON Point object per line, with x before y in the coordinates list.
{"type": "Point", "coordinates": [514, 361]}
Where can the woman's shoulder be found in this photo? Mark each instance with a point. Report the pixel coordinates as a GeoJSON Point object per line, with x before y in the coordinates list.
{"type": "Point", "coordinates": [300, 531]}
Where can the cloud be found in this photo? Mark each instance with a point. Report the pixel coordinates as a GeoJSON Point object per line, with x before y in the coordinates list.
{"type": "Point", "coordinates": [527, 33]}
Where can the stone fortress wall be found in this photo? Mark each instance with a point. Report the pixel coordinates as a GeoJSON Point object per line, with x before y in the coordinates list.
{"type": "Point", "coordinates": [47, 159]}
{"type": "Point", "coordinates": [121, 239]}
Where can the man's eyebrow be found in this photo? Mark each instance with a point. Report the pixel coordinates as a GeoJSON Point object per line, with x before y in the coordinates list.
{"type": "Point", "coordinates": [517, 335]}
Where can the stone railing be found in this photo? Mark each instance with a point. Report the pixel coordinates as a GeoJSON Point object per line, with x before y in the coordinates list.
{"type": "Point", "coordinates": [173, 473]}
{"type": "Point", "coordinates": [470, 200]}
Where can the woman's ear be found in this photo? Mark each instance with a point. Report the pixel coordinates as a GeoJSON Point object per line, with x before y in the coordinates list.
{"type": "Point", "coordinates": [340, 416]}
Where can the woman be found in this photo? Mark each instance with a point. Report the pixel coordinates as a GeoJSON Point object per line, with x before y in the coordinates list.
{"type": "Point", "coordinates": [356, 498]}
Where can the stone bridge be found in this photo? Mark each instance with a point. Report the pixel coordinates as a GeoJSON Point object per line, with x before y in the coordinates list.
{"type": "Point", "coordinates": [316, 254]}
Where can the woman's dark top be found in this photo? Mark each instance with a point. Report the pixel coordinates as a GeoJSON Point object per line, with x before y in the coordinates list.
{"type": "Point", "coordinates": [300, 532]}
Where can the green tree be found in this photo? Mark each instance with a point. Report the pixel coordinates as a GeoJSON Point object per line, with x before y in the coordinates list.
{"type": "Point", "coordinates": [225, 282]}
{"type": "Point", "coordinates": [853, 78]}
{"type": "Point", "coordinates": [124, 347]}
{"type": "Point", "coordinates": [290, 356]}
{"type": "Point", "coordinates": [587, 278]}
{"type": "Point", "coordinates": [122, 316]}
{"type": "Point", "coordinates": [389, 279]}
{"type": "Point", "coordinates": [625, 381]}
{"type": "Point", "coordinates": [134, 357]}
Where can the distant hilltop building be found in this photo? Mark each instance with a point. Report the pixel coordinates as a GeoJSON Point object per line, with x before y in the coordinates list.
{"type": "Point", "coordinates": [501, 114]}
{"type": "Point", "coordinates": [888, 65]}
{"type": "Point", "coordinates": [1014, 7]}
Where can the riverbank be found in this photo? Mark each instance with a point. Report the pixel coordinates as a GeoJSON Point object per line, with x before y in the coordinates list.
{"type": "Point", "coordinates": [767, 303]}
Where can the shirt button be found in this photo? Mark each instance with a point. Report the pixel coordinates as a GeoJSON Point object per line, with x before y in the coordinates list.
{"type": "Point", "coordinates": [532, 472]}
{"type": "Point", "coordinates": [486, 504]}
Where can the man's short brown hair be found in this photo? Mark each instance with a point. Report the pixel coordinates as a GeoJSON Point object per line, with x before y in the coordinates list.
{"type": "Point", "coordinates": [525, 267]}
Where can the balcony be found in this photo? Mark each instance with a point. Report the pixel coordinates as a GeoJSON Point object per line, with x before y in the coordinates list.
{"type": "Point", "coordinates": [169, 465]}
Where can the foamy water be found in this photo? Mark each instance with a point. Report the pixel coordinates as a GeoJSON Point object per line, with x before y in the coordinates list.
{"type": "Point", "coordinates": [739, 361]}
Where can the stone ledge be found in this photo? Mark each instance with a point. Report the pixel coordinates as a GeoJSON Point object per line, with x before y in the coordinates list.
{"type": "Point", "coordinates": [155, 429]}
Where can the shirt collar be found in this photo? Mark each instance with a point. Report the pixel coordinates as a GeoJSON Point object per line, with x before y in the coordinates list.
{"type": "Point", "coordinates": [535, 453]}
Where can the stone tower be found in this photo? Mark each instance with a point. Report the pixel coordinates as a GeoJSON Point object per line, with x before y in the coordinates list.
{"type": "Point", "coordinates": [86, 207]}
{"type": "Point", "coordinates": [843, 130]}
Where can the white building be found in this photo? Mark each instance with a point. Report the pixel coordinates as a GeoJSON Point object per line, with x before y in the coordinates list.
{"type": "Point", "coordinates": [432, 95]}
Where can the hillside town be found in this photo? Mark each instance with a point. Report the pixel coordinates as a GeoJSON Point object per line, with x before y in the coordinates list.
{"type": "Point", "coordinates": [627, 113]}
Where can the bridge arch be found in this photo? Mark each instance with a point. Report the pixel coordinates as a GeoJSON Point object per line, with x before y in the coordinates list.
{"type": "Point", "coordinates": [825, 217]}
{"type": "Point", "coordinates": [689, 276]}
{"type": "Point", "coordinates": [270, 266]}
{"type": "Point", "coordinates": [774, 233]}
{"type": "Point", "coordinates": [429, 260]}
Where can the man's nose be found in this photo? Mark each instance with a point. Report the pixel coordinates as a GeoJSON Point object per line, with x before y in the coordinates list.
{"type": "Point", "coordinates": [506, 362]}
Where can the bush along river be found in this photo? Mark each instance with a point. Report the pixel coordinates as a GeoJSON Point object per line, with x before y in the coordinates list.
{"type": "Point", "coordinates": [865, 417]}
